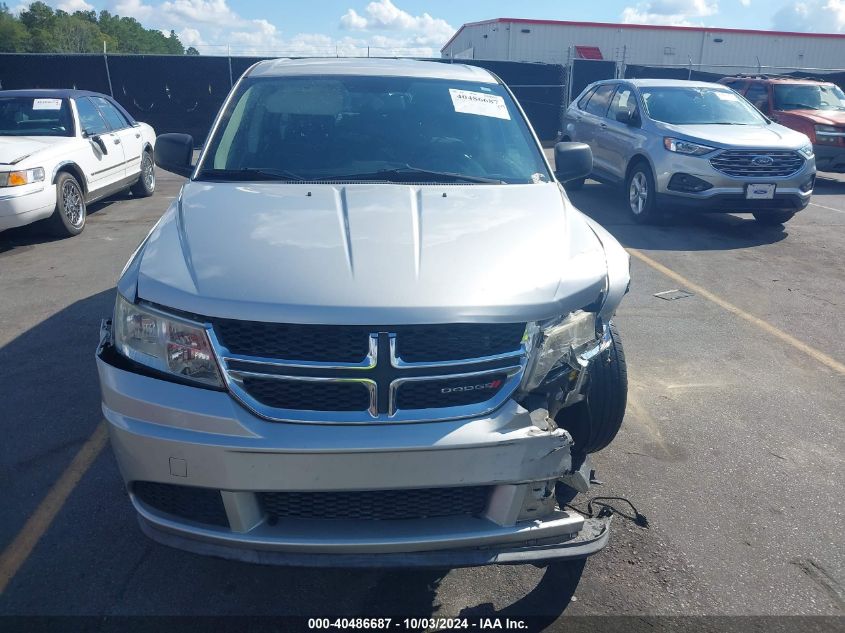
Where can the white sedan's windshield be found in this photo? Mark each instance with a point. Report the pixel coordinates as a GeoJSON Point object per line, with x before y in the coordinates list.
{"type": "Point", "coordinates": [372, 128]}
{"type": "Point", "coordinates": [35, 116]}
{"type": "Point", "coordinates": [699, 106]}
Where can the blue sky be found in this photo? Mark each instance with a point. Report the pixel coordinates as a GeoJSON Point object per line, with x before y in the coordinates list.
{"type": "Point", "coordinates": [415, 27]}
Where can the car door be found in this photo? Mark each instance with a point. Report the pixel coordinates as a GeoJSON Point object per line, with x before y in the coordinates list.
{"type": "Point", "coordinates": [619, 140]}
{"type": "Point", "coordinates": [575, 117]}
{"type": "Point", "coordinates": [102, 159]}
{"type": "Point", "coordinates": [595, 125]}
{"type": "Point", "coordinates": [130, 137]}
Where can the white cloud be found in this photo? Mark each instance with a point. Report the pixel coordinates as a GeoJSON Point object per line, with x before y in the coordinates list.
{"type": "Point", "coordinates": [672, 12]}
{"type": "Point", "coordinates": [745, 3]}
{"type": "Point", "coordinates": [819, 16]}
{"type": "Point", "coordinates": [383, 15]}
{"type": "Point", "coordinates": [213, 27]}
{"type": "Point", "coordinates": [74, 5]}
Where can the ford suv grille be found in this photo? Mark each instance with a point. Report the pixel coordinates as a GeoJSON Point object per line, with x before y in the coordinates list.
{"type": "Point", "coordinates": [757, 164]}
{"type": "Point", "coordinates": [359, 374]}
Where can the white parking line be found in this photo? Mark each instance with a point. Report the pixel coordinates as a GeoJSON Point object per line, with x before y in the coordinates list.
{"type": "Point", "coordinates": [821, 206]}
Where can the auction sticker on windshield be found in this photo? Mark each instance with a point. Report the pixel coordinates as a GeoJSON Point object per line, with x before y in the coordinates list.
{"type": "Point", "coordinates": [469, 102]}
{"type": "Point", "coordinates": [46, 104]}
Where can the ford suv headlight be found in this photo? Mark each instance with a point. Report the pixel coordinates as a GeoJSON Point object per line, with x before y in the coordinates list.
{"type": "Point", "coordinates": [556, 342]}
{"type": "Point", "coordinates": [806, 151]}
{"type": "Point", "coordinates": [681, 146]}
{"type": "Point", "coordinates": [165, 343]}
{"type": "Point", "coordinates": [22, 177]}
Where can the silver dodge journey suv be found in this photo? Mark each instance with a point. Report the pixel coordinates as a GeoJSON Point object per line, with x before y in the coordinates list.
{"type": "Point", "coordinates": [687, 145]}
{"type": "Point", "coordinates": [370, 330]}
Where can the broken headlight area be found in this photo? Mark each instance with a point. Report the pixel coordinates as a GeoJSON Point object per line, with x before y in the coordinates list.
{"type": "Point", "coordinates": [561, 352]}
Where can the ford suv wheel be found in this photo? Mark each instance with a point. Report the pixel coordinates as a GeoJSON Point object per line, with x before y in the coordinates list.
{"type": "Point", "coordinates": [640, 193]}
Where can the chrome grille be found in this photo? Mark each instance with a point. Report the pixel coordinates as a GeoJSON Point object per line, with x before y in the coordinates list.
{"type": "Point", "coordinates": [348, 375]}
{"type": "Point", "coordinates": [376, 505]}
{"type": "Point", "coordinates": [757, 163]}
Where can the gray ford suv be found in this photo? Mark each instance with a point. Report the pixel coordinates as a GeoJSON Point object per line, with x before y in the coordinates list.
{"type": "Point", "coordinates": [685, 145]}
{"type": "Point", "coordinates": [370, 330]}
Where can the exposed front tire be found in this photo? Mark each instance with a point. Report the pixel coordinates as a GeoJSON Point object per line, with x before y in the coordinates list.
{"type": "Point", "coordinates": [68, 219]}
{"type": "Point", "coordinates": [773, 218]}
{"type": "Point", "coordinates": [599, 418]}
{"type": "Point", "coordinates": [146, 184]}
{"type": "Point", "coordinates": [641, 194]}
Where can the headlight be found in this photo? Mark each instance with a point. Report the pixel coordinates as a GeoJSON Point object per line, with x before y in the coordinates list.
{"type": "Point", "coordinates": [555, 342]}
{"type": "Point", "coordinates": [686, 147]}
{"type": "Point", "coordinates": [23, 177]}
{"type": "Point", "coordinates": [165, 343]}
{"type": "Point", "coordinates": [806, 151]}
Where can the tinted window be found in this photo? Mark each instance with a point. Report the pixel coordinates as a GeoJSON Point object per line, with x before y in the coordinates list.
{"type": "Point", "coordinates": [360, 128]}
{"type": "Point", "coordinates": [112, 115]}
{"type": "Point", "coordinates": [809, 97]}
{"type": "Point", "coordinates": [90, 118]}
{"type": "Point", "coordinates": [758, 94]}
{"type": "Point", "coordinates": [28, 116]}
{"type": "Point", "coordinates": [600, 100]}
{"type": "Point", "coordinates": [623, 101]}
{"type": "Point", "coordinates": [582, 102]}
{"type": "Point", "coordinates": [699, 105]}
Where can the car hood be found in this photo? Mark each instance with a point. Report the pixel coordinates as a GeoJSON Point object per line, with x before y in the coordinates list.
{"type": "Point", "coordinates": [14, 149]}
{"type": "Point", "coordinates": [820, 117]}
{"type": "Point", "coordinates": [771, 136]}
{"type": "Point", "coordinates": [371, 253]}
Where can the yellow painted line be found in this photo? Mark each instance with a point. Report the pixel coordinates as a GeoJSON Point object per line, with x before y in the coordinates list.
{"type": "Point", "coordinates": [16, 553]}
{"type": "Point", "coordinates": [812, 352]}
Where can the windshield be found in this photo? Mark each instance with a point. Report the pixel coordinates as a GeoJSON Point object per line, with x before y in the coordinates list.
{"type": "Point", "coordinates": [809, 97]}
{"type": "Point", "coordinates": [699, 106]}
{"type": "Point", "coordinates": [355, 128]}
{"type": "Point", "coordinates": [28, 116]}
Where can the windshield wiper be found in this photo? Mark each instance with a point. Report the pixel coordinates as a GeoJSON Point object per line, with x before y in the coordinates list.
{"type": "Point", "coordinates": [249, 173]}
{"type": "Point", "coordinates": [401, 173]}
{"type": "Point", "coordinates": [804, 106]}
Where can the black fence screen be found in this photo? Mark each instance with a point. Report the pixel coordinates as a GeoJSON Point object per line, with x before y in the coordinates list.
{"type": "Point", "coordinates": [586, 71]}
{"type": "Point", "coordinates": [182, 94]}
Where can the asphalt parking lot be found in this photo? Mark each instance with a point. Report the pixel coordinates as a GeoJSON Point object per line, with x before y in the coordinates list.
{"type": "Point", "coordinates": [733, 444]}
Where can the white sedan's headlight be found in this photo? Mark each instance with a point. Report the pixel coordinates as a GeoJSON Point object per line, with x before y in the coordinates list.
{"type": "Point", "coordinates": [165, 343]}
{"type": "Point", "coordinates": [555, 342]}
{"type": "Point", "coordinates": [22, 177]}
{"type": "Point", "coordinates": [681, 146]}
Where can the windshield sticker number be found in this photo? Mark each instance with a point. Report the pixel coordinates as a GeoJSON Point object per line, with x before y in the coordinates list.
{"type": "Point", "coordinates": [46, 104]}
{"type": "Point", "coordinates": [469, 102]}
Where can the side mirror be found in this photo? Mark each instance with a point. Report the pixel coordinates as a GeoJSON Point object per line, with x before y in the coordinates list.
{"type": "Point", "coordinates": [174, 153]}
{"type": "Point", "coordinates": [99, 142]}
{"type": "Point", "coordinates": [573, 161]}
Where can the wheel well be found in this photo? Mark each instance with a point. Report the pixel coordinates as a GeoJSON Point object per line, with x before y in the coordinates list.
{"type": "Point", "coordinates": [76, 172]}
{"type": "Point", "coordinates": [637, 158]}
{"type": "Point", "coordinates": [147, 148]}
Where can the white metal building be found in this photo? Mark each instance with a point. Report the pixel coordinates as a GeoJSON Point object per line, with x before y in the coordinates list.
{"type": "Point", "coordinates": [706, 49]}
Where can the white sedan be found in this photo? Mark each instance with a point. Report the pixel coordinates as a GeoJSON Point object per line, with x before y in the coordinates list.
{"type": "Point", "coordinates": [63, 149]}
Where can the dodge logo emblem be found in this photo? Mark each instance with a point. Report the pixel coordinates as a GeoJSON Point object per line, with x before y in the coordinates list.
{"type": "Point", "coordinates": [762, 161]}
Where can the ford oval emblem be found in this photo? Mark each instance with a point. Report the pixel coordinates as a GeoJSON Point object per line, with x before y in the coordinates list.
{"type": "Point", "coordinates": [762, 161]}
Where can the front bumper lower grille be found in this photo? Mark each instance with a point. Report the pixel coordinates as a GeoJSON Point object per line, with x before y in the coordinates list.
{"type": "Point", "coordinates": [201, 505]}
{"type": "Point", "coordinates": [758, 164]}
{"type": "Point", "coordinates": [376, 505]}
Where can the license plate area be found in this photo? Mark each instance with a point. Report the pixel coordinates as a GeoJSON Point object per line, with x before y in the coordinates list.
{"type": "Point", "coordinates": [760, 192]}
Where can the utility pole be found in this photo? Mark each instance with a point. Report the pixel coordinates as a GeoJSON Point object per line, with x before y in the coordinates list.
{"type": "Point", "coordinates": [108, 74]}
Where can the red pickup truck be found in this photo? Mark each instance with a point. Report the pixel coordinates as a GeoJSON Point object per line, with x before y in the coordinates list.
{"type": "Point", "coordinates": [816, 108]}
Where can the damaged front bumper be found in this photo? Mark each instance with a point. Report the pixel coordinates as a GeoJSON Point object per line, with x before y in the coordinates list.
{"type": "Point", "coordinates": [206, 475]}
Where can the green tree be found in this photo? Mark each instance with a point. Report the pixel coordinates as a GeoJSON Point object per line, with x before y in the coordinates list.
{"type": "Point", "coordinates": [40, 20]}
{"type": "Point", "coordinates": [14, 37]}
{"type": "Point", "coordinates": [191, 51]}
